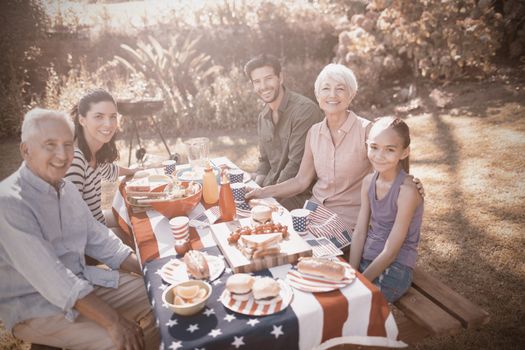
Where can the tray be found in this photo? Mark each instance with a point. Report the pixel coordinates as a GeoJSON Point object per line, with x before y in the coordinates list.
{"type": "Point", "coordinates": [291, 250]}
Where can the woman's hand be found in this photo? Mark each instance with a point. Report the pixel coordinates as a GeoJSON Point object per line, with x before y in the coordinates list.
{"type": "Point", "coordinates": [419, 186]}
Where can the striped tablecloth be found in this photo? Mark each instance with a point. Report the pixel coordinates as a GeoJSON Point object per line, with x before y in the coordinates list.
{"type": "Point", "coordinates": [356, 314]}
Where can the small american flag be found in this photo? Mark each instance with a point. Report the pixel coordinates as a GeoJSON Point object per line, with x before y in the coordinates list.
{"type": "Point", "coordinates": [325, 223]}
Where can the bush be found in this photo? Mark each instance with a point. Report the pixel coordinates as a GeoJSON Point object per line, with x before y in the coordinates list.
{"type": "Point", "coordinates": [22, 78]}
{"type": "Point", "coordinates": [438, 40]}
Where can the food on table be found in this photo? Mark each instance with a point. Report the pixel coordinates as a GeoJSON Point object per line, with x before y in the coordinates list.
{"type": "Point", "coordinates": [240, 286]}
{"type": "Point", "coordinates": [261, 245]}
{"type": "Point", "coordinates": [197, 265]}
{"type": "Point", "coordinates": [266, 290]}
{"type": "Point", "coordinates": [188, 295]}
{"type": "Point", "coordinates": [259, 229]}
{"type": "Point", "coordinates": [261, 214]}
{"type": "Point", "coordinates": [322, 268]}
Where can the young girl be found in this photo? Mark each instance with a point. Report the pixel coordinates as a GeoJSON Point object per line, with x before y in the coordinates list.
{"type": "Point", "coordinates": [385, 239]}
{"type": "Point", "coordinates": [95, 118]}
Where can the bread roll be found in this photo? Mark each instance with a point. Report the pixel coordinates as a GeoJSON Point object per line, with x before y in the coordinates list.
{"type": "Point", "coordinates": [197, 265]}
{"type": "Point", "coordinates": [322, 268]}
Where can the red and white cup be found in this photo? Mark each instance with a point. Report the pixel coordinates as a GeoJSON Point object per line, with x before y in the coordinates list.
{"type": "Point", "coordinates": [180, 227]}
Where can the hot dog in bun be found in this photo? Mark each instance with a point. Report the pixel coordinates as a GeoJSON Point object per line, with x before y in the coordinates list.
{"type": "Point", "coordinates": [197, 265]}
{"type": "Point", "coordinates": [240, 286]}
{"type": "Point", "coordinates": [322, 268]}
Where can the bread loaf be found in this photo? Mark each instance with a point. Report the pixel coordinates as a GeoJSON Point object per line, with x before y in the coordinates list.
{"type": "Point", "coordinates": [197, 265]}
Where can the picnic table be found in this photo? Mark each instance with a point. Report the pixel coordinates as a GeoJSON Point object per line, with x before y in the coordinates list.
{"type": "Point", "coordinates": [357, 313]}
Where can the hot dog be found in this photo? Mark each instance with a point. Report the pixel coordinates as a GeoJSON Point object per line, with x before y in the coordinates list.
{"type": "Point", "coordinates": [321, 267]}
{"type": "Point", "coordinates": [197, 265]}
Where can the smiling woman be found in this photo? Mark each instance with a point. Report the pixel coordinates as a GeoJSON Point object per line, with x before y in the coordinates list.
{"type": "Point", "coordinates": [95, 118]}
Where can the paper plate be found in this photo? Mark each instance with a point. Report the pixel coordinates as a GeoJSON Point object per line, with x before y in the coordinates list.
{"type": "Point", "coordinates": [252, 308]}
{"type": "Point", "coordinates": [189, 175]}
{"type": "Point", "coordinates": [314, 284]}
{"type": "Point", "coordinates": [175, 270]}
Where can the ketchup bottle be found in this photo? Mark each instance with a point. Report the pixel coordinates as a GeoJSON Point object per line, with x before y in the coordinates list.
{"type": "Point", "coordinates": [210, 189]}
{"type": "Point", "coordinates": [226, 203]}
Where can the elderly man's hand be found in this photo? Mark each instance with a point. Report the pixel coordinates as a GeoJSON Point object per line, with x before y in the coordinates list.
{"type": "Point", "coordinates": [252, 192]}
{"type": "Point", "coordinates": [126, 335]}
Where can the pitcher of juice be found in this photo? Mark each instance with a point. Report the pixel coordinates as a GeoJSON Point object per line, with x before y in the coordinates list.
{"type": "Point", "coordinates": [210, 188]}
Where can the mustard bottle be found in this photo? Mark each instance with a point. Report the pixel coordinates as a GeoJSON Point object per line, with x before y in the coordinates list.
{"type": "Point", "coordinates": [210, 188]}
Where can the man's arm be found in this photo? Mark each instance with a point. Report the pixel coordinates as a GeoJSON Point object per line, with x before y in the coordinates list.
{"type": "Point", "coordinates": [264, 164]}
{"type": "Point", "coordinates": [303, 119]}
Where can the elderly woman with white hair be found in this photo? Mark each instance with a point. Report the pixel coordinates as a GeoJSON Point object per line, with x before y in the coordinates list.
{"type": "Point", "coordinates": [335, 151]}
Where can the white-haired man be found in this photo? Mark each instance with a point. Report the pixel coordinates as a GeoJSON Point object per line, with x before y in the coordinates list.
{"type": "Point", "coordinates": [48, 294]}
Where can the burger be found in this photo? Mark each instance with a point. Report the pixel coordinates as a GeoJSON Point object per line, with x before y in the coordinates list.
{"type": "Point", "coordinates": [240, 286]}
{"type": "Point", "coordinates": [266, 290]}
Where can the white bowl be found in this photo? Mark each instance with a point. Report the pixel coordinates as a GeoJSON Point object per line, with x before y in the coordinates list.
{"type": "Point", "coordinates": [186, 309]}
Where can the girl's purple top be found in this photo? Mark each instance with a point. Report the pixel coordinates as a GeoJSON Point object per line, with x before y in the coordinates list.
{"type": "Point", "coordinates": [382, 220]}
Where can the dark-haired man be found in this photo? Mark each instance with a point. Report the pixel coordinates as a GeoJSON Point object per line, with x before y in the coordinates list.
{"type": "Point", "coordinates": [281, 126]}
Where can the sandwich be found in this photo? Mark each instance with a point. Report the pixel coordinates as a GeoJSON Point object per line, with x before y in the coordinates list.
{"type": "Point", "coordinates": [240, 286]}
{"type": "Point", "coordinates": [325, 268]}
{"type": "Point", "coordinates": [259, 246]}
{"type": "Point", "coordinates": [266, 290]}
{"type": "Point", "coordinates": [197, 265]}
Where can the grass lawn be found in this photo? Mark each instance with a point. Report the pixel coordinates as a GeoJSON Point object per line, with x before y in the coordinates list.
{"type": "Point", "coordinates": [471, 159]}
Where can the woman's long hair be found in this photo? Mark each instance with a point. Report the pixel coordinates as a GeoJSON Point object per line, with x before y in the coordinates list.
{"type": "Point", "coordinates": [108, 153]}
{"type": "Point", "coordinates": [401, 128]}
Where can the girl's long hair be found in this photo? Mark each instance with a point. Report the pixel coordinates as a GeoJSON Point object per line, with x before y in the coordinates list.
{"type": "Point", "coordinates": [108, 153]}
{"type": "Point", "coordinates": [401, 128]}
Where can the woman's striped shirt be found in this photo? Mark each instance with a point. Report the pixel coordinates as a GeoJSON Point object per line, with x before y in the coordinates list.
{"type": "Point", "coordinates": [89, 181]}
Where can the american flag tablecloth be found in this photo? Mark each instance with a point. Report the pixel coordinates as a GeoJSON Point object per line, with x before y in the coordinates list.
{"type": "Point", "coordinates": [356, 314]}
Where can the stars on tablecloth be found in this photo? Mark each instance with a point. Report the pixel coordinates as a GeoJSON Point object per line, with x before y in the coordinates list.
{"type": "Point", "coordinates": [153, 302]}
{"type": "Point", "coordinates": [172, 323]}
{"type": "Point", "coordinates": [175, 345]}
{"type": "Point", "coordinates": [230, 317]}
{"type": "Point", "coordinates": [216, 282]}
{"type": "Point", "coordinates": [163, 286]}
{"type": "Point", "coordinates": [145, 269]}
{"type": "Point", "coordinates": [208, 312]}
{"type": "Point", "coordinates": [238, 342]}
{"type": "Point", "coordinates": [215, 332]}
{"type": "Point", "coordinates": [277, 331]}
{"type": "Point", "coordinates": [165, 305]}
{"type": "Point", "coordinates": [227, 270]}
{"type": "Point", "coordinates": [192, 328]}
{"type": "Point", "coordinates": [148, 286]}
{"type": "Point", "coordinates": [158, 272]}
{"type": "Point", "coordinates": [253, 321]}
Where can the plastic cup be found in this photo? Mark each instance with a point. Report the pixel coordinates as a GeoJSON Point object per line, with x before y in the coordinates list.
{"type": "Point", "coordinates": [239, 191]}
{"type": "Point", "coordinates": [236, 176]}
{"type": "Point", "coordinates": [300, 220]}
{"type": "Point", "coordinates": [169, 166]}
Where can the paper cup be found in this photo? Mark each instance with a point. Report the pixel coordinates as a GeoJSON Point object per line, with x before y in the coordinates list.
{"type": "Point", "coordinates": [236, 176]}
{"type": "Point", "coordinates": [300, 220]}
{"type": "Point", "coordinates": [169, 166]}
{"type": "Point", "coordinates": [239, 191]}
{"type": "Point", "coordinates": [180, 226]}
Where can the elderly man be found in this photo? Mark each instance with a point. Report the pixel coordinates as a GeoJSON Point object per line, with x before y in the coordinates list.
{"type": "Point", "coordinates": [282, 126]}
{"type": "Point", "coordinates": [48, 294]}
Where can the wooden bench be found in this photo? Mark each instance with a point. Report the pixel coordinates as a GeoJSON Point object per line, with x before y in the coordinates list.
{"type": "Point", "coordinates": [430, 308]}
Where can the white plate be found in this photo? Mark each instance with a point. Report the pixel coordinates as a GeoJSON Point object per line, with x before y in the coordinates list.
{"type": "Point", "coordinates": [190, 175]}
{"type": "Point", "coordinates": [175, 270]}
{"type": "Point", "coordinates": [252, 308]}
{"type": "Point", "coordinates": [314, 284]}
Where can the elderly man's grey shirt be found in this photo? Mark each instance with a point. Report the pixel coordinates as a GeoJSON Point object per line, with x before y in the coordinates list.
{"type": "Point", "coordinates": [44, 236]}
{"type": "Point", "coordinates": [281, 146]}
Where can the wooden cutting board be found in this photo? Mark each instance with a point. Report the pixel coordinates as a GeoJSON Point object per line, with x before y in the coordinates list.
{"type": "Point", "coordinates": [291, 250]}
